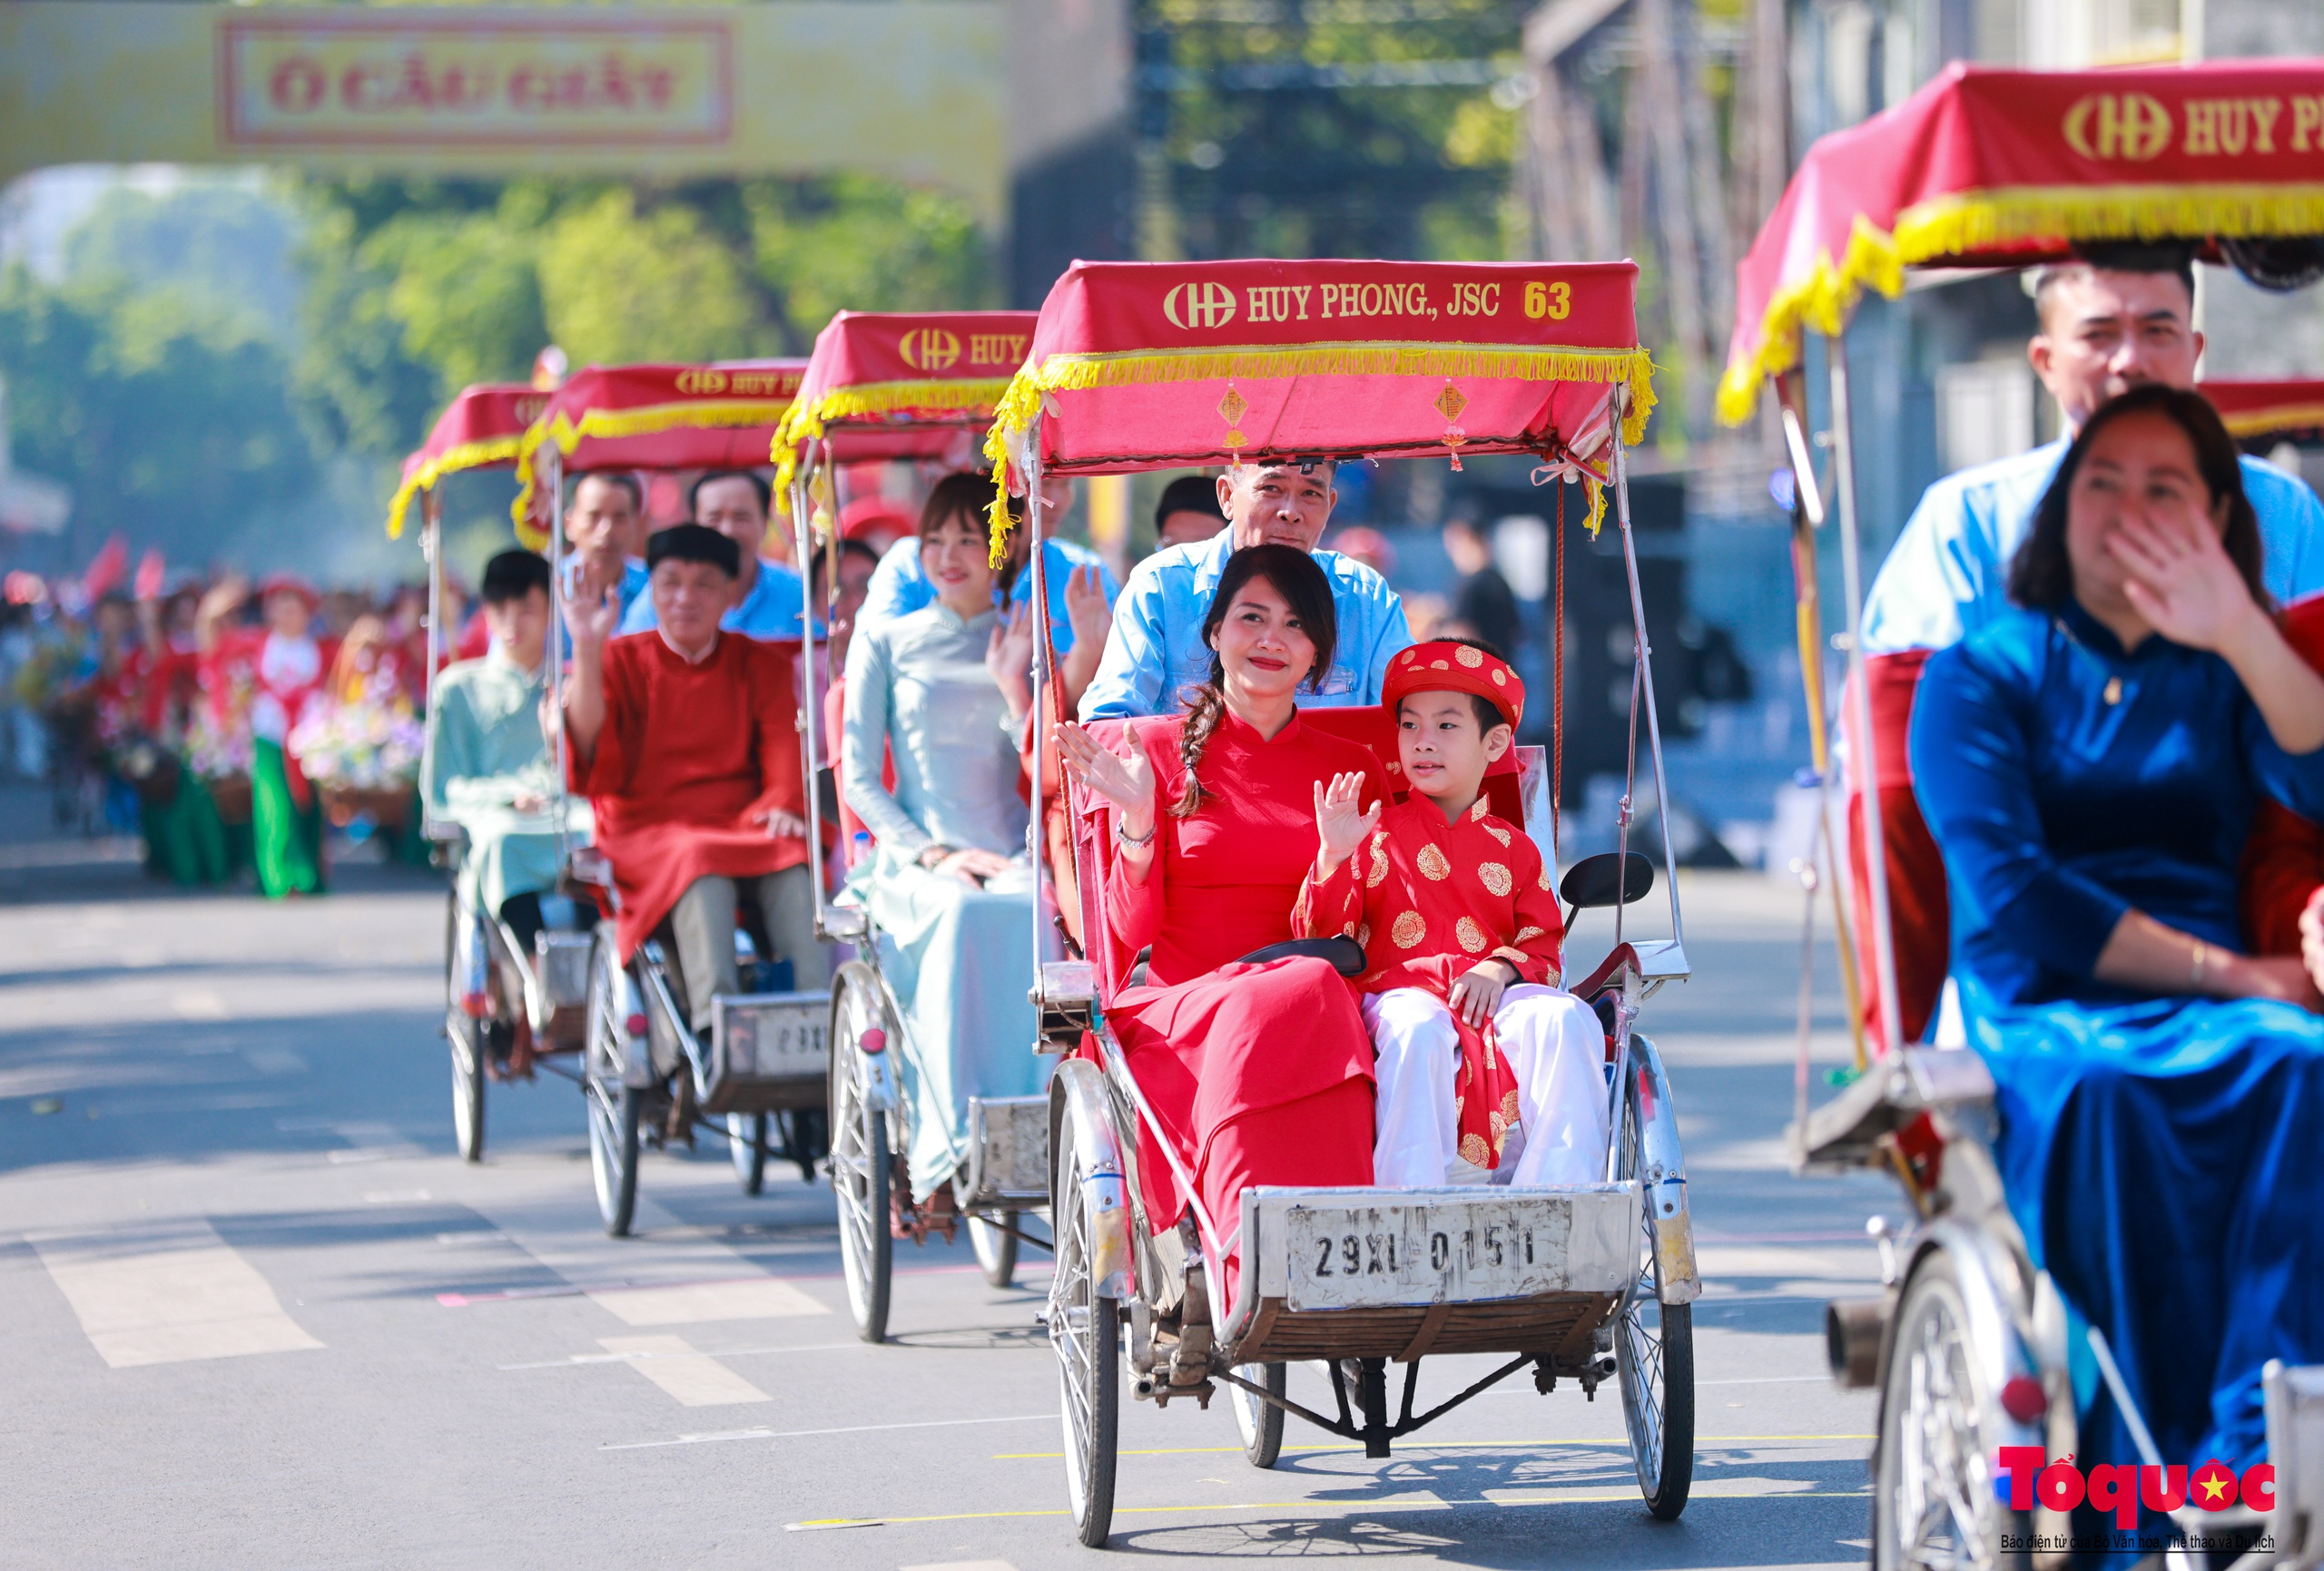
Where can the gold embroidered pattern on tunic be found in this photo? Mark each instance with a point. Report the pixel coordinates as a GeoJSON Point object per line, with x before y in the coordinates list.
{"type": "Point", "coordinates": [1432, 865]}
{"type": "Point", "coordinates": [1409, 931]}
{"type": "Point", "coordinates": [1495, 877]}
{"type": "Point", "coordinates": [1497, 832]}
{"type": "Point", "coordinates": [1545, 878]}
{"type": "Point", "coordinates": [1379, 867]}
{"type": "Point", "coordinates": [1471, 937]}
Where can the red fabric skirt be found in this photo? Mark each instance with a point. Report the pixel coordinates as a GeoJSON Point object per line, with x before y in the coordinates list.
{"type": "Point", "coordinates": [1261, 1074]}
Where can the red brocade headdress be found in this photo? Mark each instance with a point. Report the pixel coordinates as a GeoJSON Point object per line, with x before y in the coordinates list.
{"type": "Point", "coordinates": [1445, 666]}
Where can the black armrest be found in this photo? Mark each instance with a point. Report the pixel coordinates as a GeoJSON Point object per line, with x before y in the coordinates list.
{"type": "Point", "coordinates": [1346, 955]}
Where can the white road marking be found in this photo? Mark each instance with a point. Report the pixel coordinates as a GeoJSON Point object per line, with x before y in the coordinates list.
{"type": "Point", "coordinates": [571, 1360]}
{"type": "Point", "coordinates": [649, 1280]}
{"type": "Point", "coordinates": [696, 1379]}
{"type": "Point", "coordinates": [961, 1565]}
{"type": "Point", "coordinates": [848, 1429]}
{"type": "Point", "coordinates": [200, 1004]}
{"type": "Point", "coordinates": [749, 1299]}
{"type": "Point", "coordinates": [393, 1196]}
{"type": "Point", "coordinates": [165, 1293]}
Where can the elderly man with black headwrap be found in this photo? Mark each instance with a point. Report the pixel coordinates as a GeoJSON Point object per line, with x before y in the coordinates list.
{"type": "Point", "coordinates": [685, 741]}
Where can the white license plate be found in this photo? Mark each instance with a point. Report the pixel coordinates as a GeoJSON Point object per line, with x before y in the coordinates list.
{"type": "Point", "coordinates": [1346, 1256]}
{"type": "Point", "coordinates": [778, 1041]}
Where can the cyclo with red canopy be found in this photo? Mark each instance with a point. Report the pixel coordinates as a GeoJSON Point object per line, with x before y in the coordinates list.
{"type": "Point", "coordinates": [482, 428]}
{"type": "Point", "coordinates": [1151, 366]}
{"type": "Point", "coordinates": [888, 386]}
{"type": "Point", "coordinates": [1989, 168]}
{"type": "Point", "coordinates": [645, 1068]}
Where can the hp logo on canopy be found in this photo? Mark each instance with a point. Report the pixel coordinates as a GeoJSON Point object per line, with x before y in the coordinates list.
{"type": "Point", "coordinates": [930, 349]}
{"type": "Point", "coordinates": [1210, 305]}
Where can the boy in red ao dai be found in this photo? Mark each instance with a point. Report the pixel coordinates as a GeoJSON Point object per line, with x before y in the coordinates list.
{"type": "Point", "coordinates": [1487, 1072]}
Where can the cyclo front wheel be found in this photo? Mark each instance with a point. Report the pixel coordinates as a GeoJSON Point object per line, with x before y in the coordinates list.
{"type": "Point", "coordinates": [1654, 1358]}
{"type": "Point", "coordinates": [612, 1105]}
{"type": "Point", "coordinates": [859, 1162]}
{"type": "Point", "coordinates": [1934, 1503]}
{"type": "Point", "coordinates": [467, 1042]}
{"type": "Point", "coordinates": [996, 1251]}
{"type": "Point", "coordinates": [1085, 1330]}
{"type": "Point", "coordinates": [1260, 1422]}
{"type": "Point", "coordinates": [747, 1133]}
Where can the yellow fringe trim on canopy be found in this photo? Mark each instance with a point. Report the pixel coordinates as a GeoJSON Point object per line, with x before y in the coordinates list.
{"type": "Point", "coordinates": [973, 398]}
{"type": "Point", "coordinates": [2267, 422]}
{"type": "Point", "coordinates": [1014, 415]}
{"type": "Point", "coordinates": [644, 422]}
{"type": "Point", "coordinates": [1970, 222]}
{"type": "Point", "coordinates": [451, 461]}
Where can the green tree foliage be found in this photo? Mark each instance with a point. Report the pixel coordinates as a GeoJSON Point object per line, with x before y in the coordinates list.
{"type": "Point", "coordinates": [230, 242]}
{"type": "Point", "coordinates": [171, 420]}
{"type": "Point", "coordinates": [418, 288]}
{"type": "Point", "coordinates": [1332, 127]}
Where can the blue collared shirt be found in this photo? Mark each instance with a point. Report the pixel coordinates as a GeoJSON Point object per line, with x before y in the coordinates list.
{"type": "Point", "coordinates": [771, 610]}
{"type": "Point", "coordinates": [900, 585]}
{"type": "Point", "coordinates": [1948, 573]}
{"type": "Point", "coordinates": [1156, 655]}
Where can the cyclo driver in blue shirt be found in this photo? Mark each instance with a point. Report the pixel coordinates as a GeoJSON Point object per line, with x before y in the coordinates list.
{"type": "Point", "coordinates": [769, 598]}
{"type": "Point", "coordinates": [1156, 654]}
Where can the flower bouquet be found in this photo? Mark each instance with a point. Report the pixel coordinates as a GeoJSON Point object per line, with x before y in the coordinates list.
{"type": "Point", "coordinates": [363, 757]}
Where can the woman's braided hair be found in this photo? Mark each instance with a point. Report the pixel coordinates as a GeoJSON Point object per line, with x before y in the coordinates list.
{"type": "Point", "coordinates": [1296, 577]}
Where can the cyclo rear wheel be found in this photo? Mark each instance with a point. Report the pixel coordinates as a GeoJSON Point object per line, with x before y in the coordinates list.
{"type": "Point", "coordinates": [1085, 1330]}
{"type": "Point", "coordinates": [612, 1105]}
{"type": "Point", "coordinates": [466, 1043]}
{"type": "Point", "coordinates": [1654, 1358]}
{"type": "Point", "coordinates": [1934, 1503]}
{"type": "Point", "coordinates": [859, 1162]}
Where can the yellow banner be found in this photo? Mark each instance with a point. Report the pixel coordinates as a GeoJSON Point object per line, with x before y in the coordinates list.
{"type": "Point", "coordinates": [914, 89]}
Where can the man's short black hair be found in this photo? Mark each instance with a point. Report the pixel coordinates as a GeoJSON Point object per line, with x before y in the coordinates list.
{"type": "Point", "coordinates": [1188, 494]}
{"type": "Point", "coordinates": [693, 543]}
{"type": "Point", "coordinates": [622, 479]}
{"type": "Point", "coordinates": [2176, 258]}
{"type": "Point", "coordinates": [758, 484]}
{"type": "Point", "coordinates": [512, 575]}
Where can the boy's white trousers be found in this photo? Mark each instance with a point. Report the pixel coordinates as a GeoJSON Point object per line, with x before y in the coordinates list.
{"type": "Point", "coordinates": [1557, 1050]}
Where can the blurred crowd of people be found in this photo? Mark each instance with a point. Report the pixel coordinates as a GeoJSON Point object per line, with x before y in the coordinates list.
{"type": "Point", "coordinates": [226, 721]}
{"type": "Point", "coordinates": [220, 720]}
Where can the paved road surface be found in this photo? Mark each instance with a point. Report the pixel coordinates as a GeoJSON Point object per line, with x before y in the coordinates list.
{"type": "Point", "coordinates": [259, 1317]}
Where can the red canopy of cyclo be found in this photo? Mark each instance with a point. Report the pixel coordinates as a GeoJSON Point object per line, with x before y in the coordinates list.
{"type": "Point", "coordinates": [1988, 168]}
{"type": "Point", "coordinates": [1154, 365]}
{"type": "Point", "coordinates": [2290, 408]}
{"type": "Point", "coordinates": [903, 385]}
{"type": "Point", "coordinates": [479, 429]}
{"type": "Point", "coordinates": [721, 416]}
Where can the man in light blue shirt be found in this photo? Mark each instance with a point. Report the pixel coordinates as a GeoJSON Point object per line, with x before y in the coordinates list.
{"type": "Point", "coordinates": [900, 585]}
{"type": "Point", "coordinates": [2121, 318]}
{"type": "Point", "coordinates": [768, 599]}
{"type": "Point", "coordinates": [1156, 654]}
{"type": "Point", "coordinates": [601, 532]}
